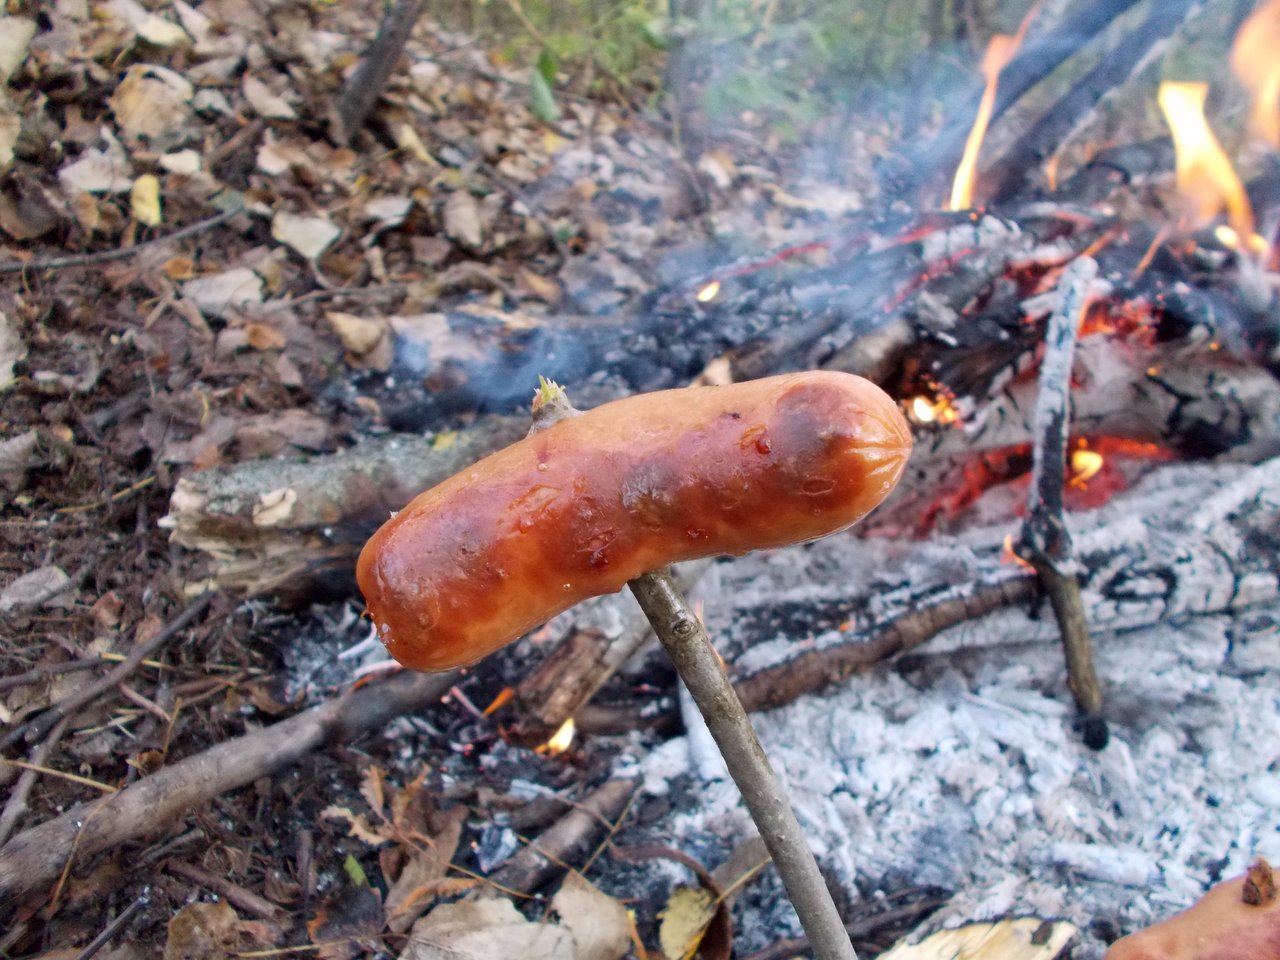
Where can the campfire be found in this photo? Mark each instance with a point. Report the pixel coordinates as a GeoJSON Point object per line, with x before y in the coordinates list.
{"type": "Point", "coordinates": [1037, 683]}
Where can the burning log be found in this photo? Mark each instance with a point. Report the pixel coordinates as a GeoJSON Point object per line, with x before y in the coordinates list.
{"type": "Point", "coordinates": [1006, 180]}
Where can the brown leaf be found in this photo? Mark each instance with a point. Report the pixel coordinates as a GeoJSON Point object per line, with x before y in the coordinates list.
{"type": "Point", "coordinates": [264, 337]}
{"type": "Point", "coordinates": [598, 923]}
{"type": "Point", "coordinates": [371, 789]}
{"type": "Point", "coordinates": [420, 879]}
{"type": "Point", "coordinates": [202, 931]}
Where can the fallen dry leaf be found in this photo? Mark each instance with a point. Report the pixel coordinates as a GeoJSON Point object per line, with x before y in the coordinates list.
{"type": "Point", "coordinates": [265, 103]}
{"type": "Point", "coordinates": [489, 929]}
{"type": "Point", "coordinates": [150, 26]}
{"type": "Point", "coordinates": [153, 102]}
{"type": "Point", "coordinates": [28, 589]}
{"type": "Point", "coordinates": [421, 877]}
{"type": "Point", "coordinates": [597, 922]}
{"type": "Point", "coordinates": [10, 127]}
{"type": "Point", "coordinates": [97, 171]}
{"type": "Point", "coordinates": [15, 35]}
{"type": "Point", "coordinates": [185, 162]}
{"type": "Point", "coordinates": [12, 349]}
{"type": "Point", "coordinates": [222, 293]}
{"type": "Point", "coordinates": [202, 931]}
{"type": "Point", "coordinates": [308, 236]}
{"type": "Point", "coordinates": [359, 335]}
{"type": "Point", "coordinates": [684, 920]}
{"type": "Point", "coordinates": [462, 219]}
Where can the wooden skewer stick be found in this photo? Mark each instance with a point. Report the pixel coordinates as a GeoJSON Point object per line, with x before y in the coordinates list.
{"type": "Point", "coordinates": [690, 649]}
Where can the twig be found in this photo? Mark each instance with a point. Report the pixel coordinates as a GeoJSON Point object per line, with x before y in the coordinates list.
{"type": "Point", "coordinates": [38, 855]}
{"type": "Point", "coordinates": [364, 86]}
{"type": "Point", "coordinates": [114, 927]}
{"type": "Point", "coordinates": [120, 253]}
{"type": "Point", "coordinates": [69, 705]}
{"type": "Point", "coordinates": [690, 649]}
{"type": "Point", "coordinates": [233, 893]}
{"type": "Point", "coordinates": [813, 670]}
{"type": "Point", "coordinates": [49, 670]}
{"type": "Point", "coordinates": [1044, 541]}
{"type": "Point", "coordinates": [568, 838]}
{"type": "Point", "coordinates": [17, 802]}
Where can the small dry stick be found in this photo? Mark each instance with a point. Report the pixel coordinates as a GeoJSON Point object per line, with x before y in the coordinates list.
{"type": "Point", "coordinates": [363, 87]}
{"type": "Point", "coordinates": [690, 649]}
{"type": "Point", "coordinates": [1045, 542]}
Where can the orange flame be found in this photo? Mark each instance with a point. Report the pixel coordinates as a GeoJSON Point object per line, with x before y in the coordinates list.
{"type": "Point", "coordinates": [1255, 60]}
{"type": "Point", "coordinates": [1000, 50]}
{"type": "Point", "coordinates": [1009, 554]}
{"type": "Point", "coordinates": [1206, 179]}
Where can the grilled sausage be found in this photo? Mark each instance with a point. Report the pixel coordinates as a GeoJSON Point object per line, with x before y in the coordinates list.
{"type": "Point", "coordinates": [581, 507]}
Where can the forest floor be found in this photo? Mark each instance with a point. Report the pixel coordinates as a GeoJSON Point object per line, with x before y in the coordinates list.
{"type": "Point", "coordinates": [196, 276]}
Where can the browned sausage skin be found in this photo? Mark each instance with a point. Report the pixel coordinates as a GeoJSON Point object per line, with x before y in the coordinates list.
{"type": "Point", "coordinates": [592, 501]}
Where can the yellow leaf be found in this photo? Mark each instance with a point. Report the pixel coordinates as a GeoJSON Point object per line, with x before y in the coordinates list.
{"type": "Point", "coordinates": [144, 200]}
{"type": "Point", "coordinates": [684, 921]}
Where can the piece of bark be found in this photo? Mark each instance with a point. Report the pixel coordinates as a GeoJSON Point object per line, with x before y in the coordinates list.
{"type": "Point", "coordinates": [37, 856]}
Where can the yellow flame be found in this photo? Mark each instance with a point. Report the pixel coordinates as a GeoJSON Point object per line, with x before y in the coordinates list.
{"type": "Point", "coordinates": [1206, 179]}
{"type": "Point", "coordinates": [940, 410]}
{"type": "Point", "coordinates": [1255, 58]}
{"type": "Point", "coordinates": [1084, 465]}
{"type": "Point", "coordinates": [560, 741]}
{"type": "Point", "coordinates": [708, 293]}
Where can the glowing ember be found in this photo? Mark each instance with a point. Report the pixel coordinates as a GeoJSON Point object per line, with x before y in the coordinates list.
{"type": "Point", "coordinates": [560, 741]}
{"type": "Point", "coordinates": [940, 410]}
{"type": "Point", "coordinates": [1206, 180]}
{"type": "Point", "coordinates": [1254, 60]}
{"type": "Point", "coordinates": [708, 293]}
{"type": "Point", "coordinates": [1085, 464]}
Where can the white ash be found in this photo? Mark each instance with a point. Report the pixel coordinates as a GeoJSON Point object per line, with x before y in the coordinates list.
{"type": "Point", "coordinates": [960, 767]}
